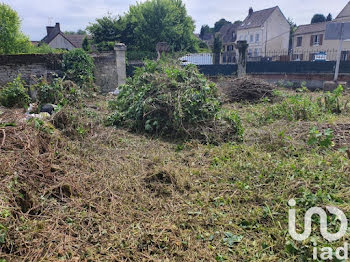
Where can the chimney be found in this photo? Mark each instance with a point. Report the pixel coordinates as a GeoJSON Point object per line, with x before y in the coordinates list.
{"type": "Point", "coordinates": [49, 29]}
{"type": "Point", "coordinates": [251, 11]}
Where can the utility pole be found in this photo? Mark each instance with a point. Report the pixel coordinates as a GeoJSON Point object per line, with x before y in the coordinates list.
{"type": "Point", "coordinates": [340, 47]}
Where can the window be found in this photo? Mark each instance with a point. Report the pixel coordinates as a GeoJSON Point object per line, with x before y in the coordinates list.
{"type": "Point", "coordinates": [256, 52]}
{"type": "Point", "coordinates": [257, 38]}
{"type": "Point", "coordinates": [230, 48]}
{"type": "Point", "coordinates": [299, 41]}
{"type": "Point", "coordinates": [316, 40]}
{"type": "Point", "coordinates": [251, 38]}
{"type": "Point", "coordinates": [246, 38]}
{"type": "Point", "coordinates": [250, 52]}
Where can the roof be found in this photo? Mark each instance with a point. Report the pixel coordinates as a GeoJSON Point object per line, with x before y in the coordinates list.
{"type": "Point", "coordinates": [345, 12]}
{"type": "Point", "coordinates": [229, 33]}
{"type": "Point", "coordinates": [311, 28]}
{"type": "Point", "coordinates": [257, 19]}
{"type": "Point", "coordinates": [53, 31]}
{"type": "Point", "coordinates": [76, 40]}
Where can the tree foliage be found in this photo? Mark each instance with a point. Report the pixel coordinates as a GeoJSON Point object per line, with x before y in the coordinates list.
{"type": "Point", "coordinates": [329, 17]}
{"type": "Point", "coordinates": [318, 18]}
{"type": "Point", "coordinates": [12, 40]}
{"type": "Point", "coordinates": [219, 24]}
{"type": "Point", "coordinates": [146, 24]}
{"type": "Point", "coordinates": [205, 29]}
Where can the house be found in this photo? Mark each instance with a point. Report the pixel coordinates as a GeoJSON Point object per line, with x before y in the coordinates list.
{"type": "Point", "coordinates": [228, 36]}
{"type": "Point", "coordinates": [55, 38]}
{"type": "Point", "coordinates": [309, 42]}
{"type": "Point", "coordinates": [267, 32]}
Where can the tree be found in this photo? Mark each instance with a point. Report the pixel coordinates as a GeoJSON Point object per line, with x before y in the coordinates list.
{"type": "Point", "coordinates": [293, 28]}
{"type": "Point", "coordinates": [86, 44]}
{"type": "Point", "coordinates": [148, 23]}
{"type": "Point", "coordinates": [329, 17]}
{"type": "Point", "coordinates": [217, 49]}
{"type": "Point", "coordinates": [318, 18]}
{"type": "Point", "coordinates": [12, 40]}
{"type": "Point", "coordinates": [106, 29]}
{"type": "Point", "coordinates": [205, 29]}
{"type": "Point", "coordinates": [79, 32]}
{"type": "Point", "coordinates": [219, 24]}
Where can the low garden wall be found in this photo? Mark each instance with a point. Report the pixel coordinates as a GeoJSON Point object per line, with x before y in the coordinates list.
{"type": "Point", "coordinates": [29, 66]}
{"type": "Point", "coordinates": [109, 68]}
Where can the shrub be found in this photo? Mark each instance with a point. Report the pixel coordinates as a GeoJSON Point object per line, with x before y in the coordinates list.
{"type": "Point", "coordinates": [79, 67]}
{"type": "Point", "coordinates": [166, 99]}
{"type": "Point", "coordinates": [332, 103]}
{"type": "Point", "coordinates": [59, 92]}
{"type": "Point", "coordinates": [14, 94]}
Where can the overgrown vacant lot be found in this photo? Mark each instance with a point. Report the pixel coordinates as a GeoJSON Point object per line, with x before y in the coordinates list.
{"type": "Point", "coordinates": [75, 190]}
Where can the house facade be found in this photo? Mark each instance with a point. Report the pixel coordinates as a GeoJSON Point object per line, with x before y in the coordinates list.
{"type": "Point", "coordinates": [55, 38]}
{"type": "Point", "coordinates": [267, 32]}
{"type": "Point", "coordinates": [309, 42]}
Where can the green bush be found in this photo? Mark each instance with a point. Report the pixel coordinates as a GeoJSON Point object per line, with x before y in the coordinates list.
{"type": "Point", "coordinates": [14, 94]}
{"type": "Point", "coordinates": [166, 99]}
{"type": "Point", "coordinates": [59, 92]}
{"type": "Point", "coordinates": [331, 102]}
{"type": "Point", "coordinates": [79, 67]}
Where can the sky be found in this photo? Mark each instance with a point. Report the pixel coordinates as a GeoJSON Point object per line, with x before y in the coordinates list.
{"type": "Point", "coordinates": [77, 14]}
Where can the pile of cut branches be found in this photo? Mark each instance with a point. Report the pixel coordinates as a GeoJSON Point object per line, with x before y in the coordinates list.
{"type": "Point", "coordinates": [247, 89]}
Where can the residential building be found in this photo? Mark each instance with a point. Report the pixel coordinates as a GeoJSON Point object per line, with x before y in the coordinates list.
{"type": "Point", "coordinates": [55, 38]}
{"type": "Point", "coordinates": [228, 34]}
{"type": "Point", "coordinates": [309, 42]}
{"type": "Point", "coordinates": [267, 32]}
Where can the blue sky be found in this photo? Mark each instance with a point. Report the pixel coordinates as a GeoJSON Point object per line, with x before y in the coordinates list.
{"type": "Point", "coordinates": [77, 14]}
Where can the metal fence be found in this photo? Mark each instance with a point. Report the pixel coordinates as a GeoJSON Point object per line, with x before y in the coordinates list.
{"type": "Point", "coordinates": [268, 56]}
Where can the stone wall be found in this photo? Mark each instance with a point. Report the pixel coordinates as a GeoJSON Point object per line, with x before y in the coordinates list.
{"type": "Point", "coordinates": [106, 75]}
{"type": "Point", "coordinates": [110, 67]}
{"type": "Point", "coordinates": [28, 66]}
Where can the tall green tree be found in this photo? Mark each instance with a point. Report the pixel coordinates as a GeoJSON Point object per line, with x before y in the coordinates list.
{"type": "Point", "coordinates": [146, 24]}
{"type": "Point", "coordinates": [318, 18]}
{"type": "Point", "coordinates": [329, 17]}
{"type": "Point", "coordinates": [12, 40]}
{"type": "Point", "coordinates": [105, 29]}
{"type": "Point", "coordinates": [205, 29]}
{"type": "Point", "coordinates": [219, 24]}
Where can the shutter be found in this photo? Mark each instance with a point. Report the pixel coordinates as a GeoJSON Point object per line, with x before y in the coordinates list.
{"type": "Point", "coordinates": [312, 40]}
{"type": "Point", "coordinates": [321, 39]}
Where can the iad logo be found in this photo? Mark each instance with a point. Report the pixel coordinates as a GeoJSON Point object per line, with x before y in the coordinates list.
{"type": "Point", "coordinates": [327, 253]}
{"type": "Point", "coordinates": [323, 218]}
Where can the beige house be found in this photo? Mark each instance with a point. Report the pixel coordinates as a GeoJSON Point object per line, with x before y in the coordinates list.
{"type": "Point", "coordinates": [267, 33]}
{"type": "Point", "coordinates": [309, 42]}
{"type": "Point", "coordinates": [55, 38]}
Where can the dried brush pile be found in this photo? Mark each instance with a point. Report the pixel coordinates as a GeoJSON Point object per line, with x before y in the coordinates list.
{"type": "Point", "coordinates": [247, 89]}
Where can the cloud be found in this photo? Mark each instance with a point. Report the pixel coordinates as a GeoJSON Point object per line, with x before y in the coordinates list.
{"type": "Point", "coordinates": [77, 14]}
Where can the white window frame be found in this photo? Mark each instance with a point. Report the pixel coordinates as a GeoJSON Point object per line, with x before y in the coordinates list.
{"type": "Point", "coordinates": [257, 38]}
